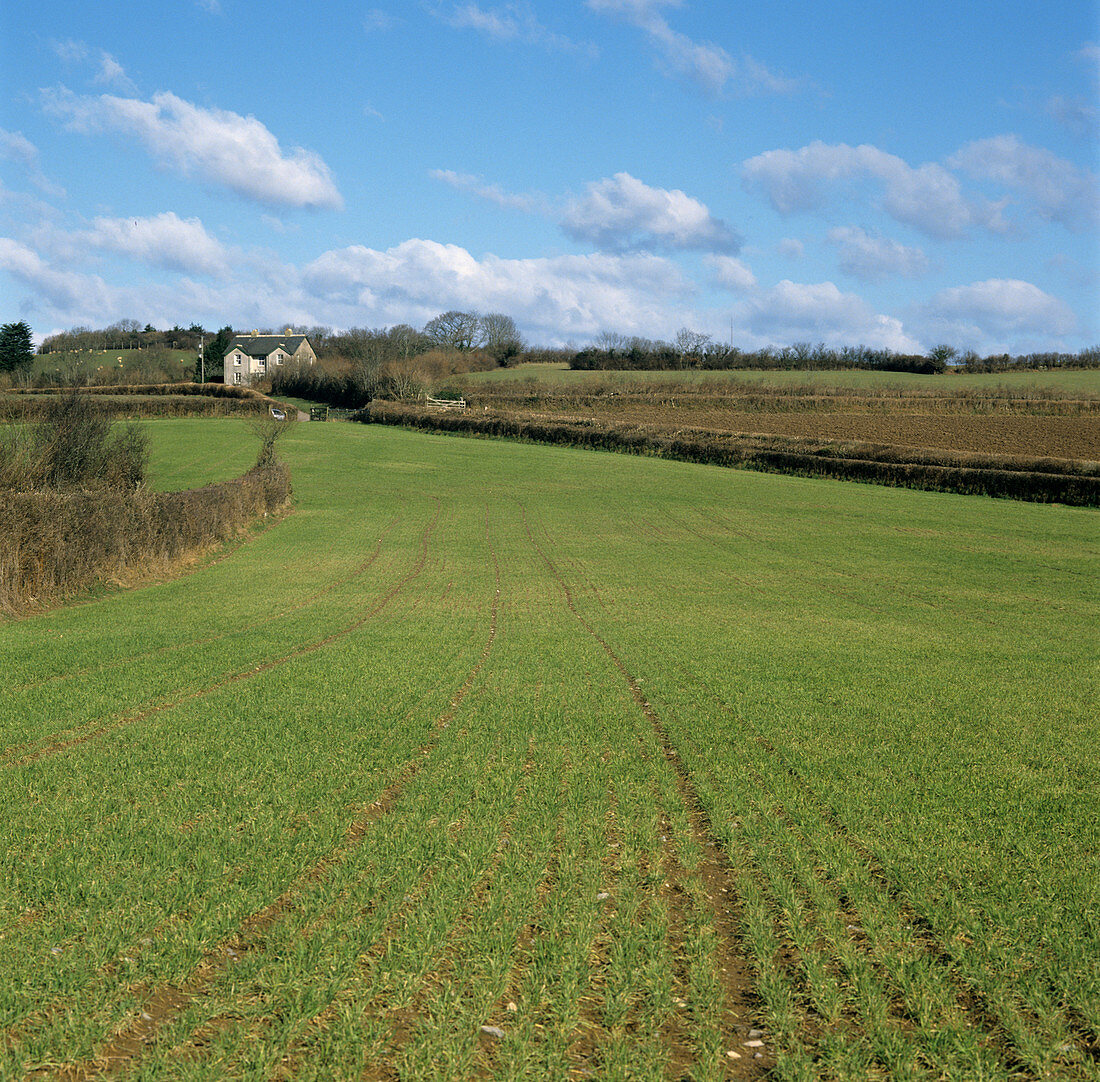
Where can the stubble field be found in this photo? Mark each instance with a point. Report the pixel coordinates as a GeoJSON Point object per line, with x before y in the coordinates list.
{"type": "Point", "coordinates": [509, 761]}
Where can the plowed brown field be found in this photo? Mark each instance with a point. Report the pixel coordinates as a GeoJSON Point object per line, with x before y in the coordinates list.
{"type": "Point", "coordinates": [1033, 435]}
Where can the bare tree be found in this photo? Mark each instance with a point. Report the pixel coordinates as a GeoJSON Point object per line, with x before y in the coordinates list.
{"type": "Point", "coordinates": [455, 330]}
{"type": "Point", "coordinates": [610, 340]}
{"type": "Point", "coordinates": [690, 343]}
{"type": "Point", "coordinates": [501, 337]}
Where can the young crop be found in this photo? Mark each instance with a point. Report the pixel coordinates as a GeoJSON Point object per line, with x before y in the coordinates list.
{"type": "Point", "coordinates": [505, 761]}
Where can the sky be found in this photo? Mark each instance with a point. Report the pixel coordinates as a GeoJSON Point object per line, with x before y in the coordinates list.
{"type": "Point", "coordinates": [896, 176]}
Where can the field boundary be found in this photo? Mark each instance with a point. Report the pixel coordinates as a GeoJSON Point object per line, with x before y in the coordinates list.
{"type": "Point", "coordinates": [869, 463]}
{"type": "Point", "coordinates": [57, 544]}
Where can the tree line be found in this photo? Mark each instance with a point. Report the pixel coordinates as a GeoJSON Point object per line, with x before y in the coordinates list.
{"type": "Point", "coordinates": [691, 350]}
{"type": "Point", "coordinates": [496, 335]}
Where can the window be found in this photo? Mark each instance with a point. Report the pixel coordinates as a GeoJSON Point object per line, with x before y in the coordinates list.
{"type": "Point", "coordinates": [236, 358]}
{"type": "Point", "coordinates": [237, 376]}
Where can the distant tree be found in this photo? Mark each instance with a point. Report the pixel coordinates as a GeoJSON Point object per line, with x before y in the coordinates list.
{"type": "Point", "coordinates": [501, 337]}
{"type": "Point", "coordinates": [214, 353]}
{"type": "Point", "coordinates": [941, 356]}
{"type": "Point", "coordinates": [690, 345]}
{"type": "Point", "coordinates": [455, 330]}
{"type": "Point", "coordinates": [610, 340]}
{"type": "Point", "coordinates": [16, 351]}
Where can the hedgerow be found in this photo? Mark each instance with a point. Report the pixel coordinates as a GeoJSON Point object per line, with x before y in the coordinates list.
{"type": "Point", "coordinates": [983, 475]}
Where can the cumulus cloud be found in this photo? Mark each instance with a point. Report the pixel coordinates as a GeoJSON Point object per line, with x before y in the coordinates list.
{"type": "Point", "coordinates": [730, 273]}
{"type": "Point", "coordinates": [998, 310]}
{"type": "Point", "coordinates": [927, 197]}
{"type": "Point", "coordinates": [165, 240]}
{"type": "Point", "coordinates": [703, 62]}
{"type": "Point", "coordinates": [556, 298]}
{"type": "Point", "coordinates": [873, 257]}
{"type": "Point", "coordinates": [493, 193]}
{"type": "Point", "coordinates": [791, 247]}
{"type": "Point", "coordinates": [1059, 190]}
{"type": "Point", "coordinates": [818, 311]}
{"type": "Point", "coordinates": [508, 22]}
{"type": "Point", "coordinates": [215, 145]}
{"type": "Point", "coordinates": [620, 213]}
{"type": "Point", "coordinates": [65, 290]}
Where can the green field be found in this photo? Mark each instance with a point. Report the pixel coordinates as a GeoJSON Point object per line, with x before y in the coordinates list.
{"type": "Point", "coordinates": [103, 365]}
{"type": "Point", "coordinates": [1083, 381]}
{"type": "Point", "coordinates": [636, 762]}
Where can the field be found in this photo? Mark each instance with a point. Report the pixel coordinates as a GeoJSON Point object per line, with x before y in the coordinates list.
{"type": "Point", "coordinates": [1070, 381]}
{"type": "Point", "coordinates": [104, 366]}
{"type": "Point", "coordinates": [510, 761]}
{"type": "Point", "coordinates": [1042, 415]}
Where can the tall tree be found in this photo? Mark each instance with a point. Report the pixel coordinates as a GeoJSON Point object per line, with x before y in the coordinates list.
{"type": "Point", "coordinates": [214, 353]}
{"type": "Point", "coordinates": [16, 350]}
{"type": "Point", "coordinates": [501, 336]}
{"type": "Point", "coordinates": [455, 330]}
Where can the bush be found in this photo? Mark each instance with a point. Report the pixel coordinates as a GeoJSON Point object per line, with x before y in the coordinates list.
{"type": "Point", "coordinates": [73, 446]}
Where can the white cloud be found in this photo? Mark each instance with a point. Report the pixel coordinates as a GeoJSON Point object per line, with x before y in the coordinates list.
{"type": "Point", "coordinates": [791, 247]}
{"type": "Point", "coordinates": [111, 73]}
{"type": "Point", "coordinates": [1079, 115]}
{"type": "Point", "coordinates": [553, 299]}
{"type": "Point", "coordinates": [16, 147]}
{"type": "Point", "coordinates": [730, 273]}
{"type": "Point", "coordinates": [165, 240]}
{"type": "Point", "coordinates": [213, 144]}
{"type": "Point", "coordinates": [927, 197]}
{"type": "Point", "coordinates": [704, 62]}
{"type": "Point", "coordinates": [494, 193]}
{"type": "Point", "coordinates": [998, 310]}
{"type": "Point", "coordinates": [621, 212]}
{"type": "Point", "coordinates": [72, 52]}
{"type": "Point", "coordinates": [62, 289]}
{"type": "Point", "coordinates": [1060, 191]}
{"type": "Point", "coordinates": [213, 7]}
{"type": "Point", "coordinates": [818, 311]}
{"type": "Point", "coordinates": [514, 21]}
{"type": "Point", "coordinates": [873, 257]}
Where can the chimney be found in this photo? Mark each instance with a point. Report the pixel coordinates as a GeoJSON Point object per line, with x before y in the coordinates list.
{"type": "Point", "coordinates": [255, 333]}
{"type": "Point", "coordinates": [289, 331]}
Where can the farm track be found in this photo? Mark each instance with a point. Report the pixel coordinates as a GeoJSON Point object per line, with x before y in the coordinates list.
{"type": "Point", "coordinates": [525, 943]}
{"type": "Point", "coordinates": [11, 758]}
{"type": "Point", "coordinates": [714, 868]}
{"type": "Point", "coordinates": [167, 1002]}
{"type": "Point", "coordinates": [960, 983]}
{"type": "Point", "coordinates": [404, 1022]}
{"type": "Point", "coordinates": [206, 640]}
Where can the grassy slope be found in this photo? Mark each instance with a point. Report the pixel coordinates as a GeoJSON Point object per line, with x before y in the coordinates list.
{"type": "Point", "coordinates": [885, 700]}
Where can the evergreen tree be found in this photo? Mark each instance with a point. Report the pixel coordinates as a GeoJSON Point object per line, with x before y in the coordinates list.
{"type": "Point", "coordinates": [16, 350]}
{"type": "Point", "coordinates": [214, 354]}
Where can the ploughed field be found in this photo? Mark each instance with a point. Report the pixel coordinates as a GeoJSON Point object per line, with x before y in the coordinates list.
{"type": "Point", "coordinates": [1012, 423]}
{"type": "Point", "coordinates": [511, 761]}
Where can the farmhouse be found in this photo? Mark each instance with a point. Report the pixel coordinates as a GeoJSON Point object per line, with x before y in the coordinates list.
{"type": "Point", "coordinates": [254, 356]}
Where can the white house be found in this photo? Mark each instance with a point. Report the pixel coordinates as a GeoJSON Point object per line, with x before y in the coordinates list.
{"type": "Point", "coordinates": [256, 356]}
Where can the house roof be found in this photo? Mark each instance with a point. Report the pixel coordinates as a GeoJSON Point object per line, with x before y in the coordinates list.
{"type": "Point", "coordinates": [263, 345]}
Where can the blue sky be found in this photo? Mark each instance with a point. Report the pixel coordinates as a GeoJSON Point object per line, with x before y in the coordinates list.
{"type": "Point", "coordinates": [798, 172]}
